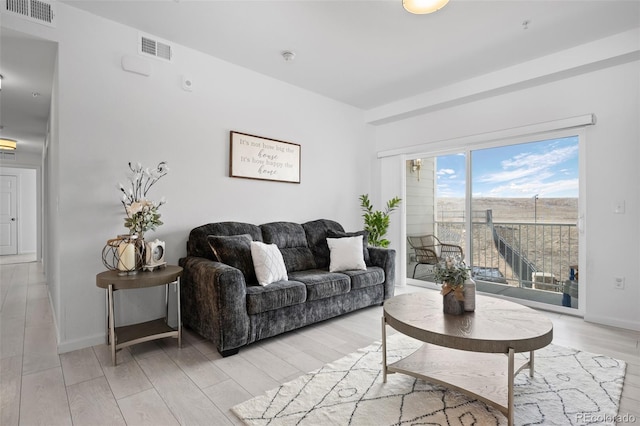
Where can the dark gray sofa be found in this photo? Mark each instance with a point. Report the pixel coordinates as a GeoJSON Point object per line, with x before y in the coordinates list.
{"type": "Point", "coordinates": [228, 306]}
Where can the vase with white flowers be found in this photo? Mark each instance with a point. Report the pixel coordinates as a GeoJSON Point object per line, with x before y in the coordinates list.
{"type": "Point", "coordinates": [126, 253]}
{"type": "Point", "coordinates": [142, 213]}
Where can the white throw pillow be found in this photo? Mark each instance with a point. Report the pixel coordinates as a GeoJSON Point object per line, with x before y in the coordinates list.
{"type": "Point", "coordinates": [268, 263]}
{"type": "Point", "coordinates": [346, 254]}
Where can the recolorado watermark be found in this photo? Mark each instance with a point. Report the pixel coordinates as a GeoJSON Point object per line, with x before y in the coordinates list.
{"type": "Point", "coordinates": [596, 418]}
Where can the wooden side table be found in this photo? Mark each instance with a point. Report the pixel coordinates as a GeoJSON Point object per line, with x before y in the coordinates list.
{"type": "Point", "coordinates": [121, 337]}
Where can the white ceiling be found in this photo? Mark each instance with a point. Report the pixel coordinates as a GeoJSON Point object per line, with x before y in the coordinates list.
{"type": "Point", "coordinates": [369, 53]}
{"type": "Point", "coordinates": [27, 65]}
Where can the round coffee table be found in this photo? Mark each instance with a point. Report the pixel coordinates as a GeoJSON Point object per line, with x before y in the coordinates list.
{"type": "Point", "coordinates": [466, 352]}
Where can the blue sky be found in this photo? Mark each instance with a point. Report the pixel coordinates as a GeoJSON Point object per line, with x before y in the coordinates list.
{"type": "Point", "coordinates": [548, 168]}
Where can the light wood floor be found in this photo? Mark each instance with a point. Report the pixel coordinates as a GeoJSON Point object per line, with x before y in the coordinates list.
{"type": "Point", "coordinates": [156, 383]}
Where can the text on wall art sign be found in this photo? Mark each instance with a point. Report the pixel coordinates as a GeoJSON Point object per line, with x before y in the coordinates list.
{"type": "Point", "coordinates": [255, 157]}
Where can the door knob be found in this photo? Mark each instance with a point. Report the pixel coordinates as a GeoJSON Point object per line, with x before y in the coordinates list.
{"type": "Point", "coordinates": [13, 219]}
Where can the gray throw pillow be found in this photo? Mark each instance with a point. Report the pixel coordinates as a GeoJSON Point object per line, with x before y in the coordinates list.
{"type": "Point", "coordinates": [235, 251]}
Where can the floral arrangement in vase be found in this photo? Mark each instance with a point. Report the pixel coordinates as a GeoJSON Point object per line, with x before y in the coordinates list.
{"type": "Point", "coordinates": [452, 272]}
{"type": "Point", "coordinates": [142, 213]}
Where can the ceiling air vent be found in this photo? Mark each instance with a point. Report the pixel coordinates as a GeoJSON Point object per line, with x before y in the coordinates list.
{"type": "Point", "coordinates": [157, 48]}
{"type": "Point", "coordinates": [33, 10]}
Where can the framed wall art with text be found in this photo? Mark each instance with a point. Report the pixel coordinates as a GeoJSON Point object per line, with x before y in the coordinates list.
{"type": "Point", "coordinates": [255, 157]}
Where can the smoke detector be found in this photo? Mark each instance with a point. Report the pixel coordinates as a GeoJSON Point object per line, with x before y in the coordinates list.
{"type": "Point", "coordinates": [288, 55]}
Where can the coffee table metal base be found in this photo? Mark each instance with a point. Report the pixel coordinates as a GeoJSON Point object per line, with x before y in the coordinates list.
{"type": "Point", "coordinates": [488, 377]}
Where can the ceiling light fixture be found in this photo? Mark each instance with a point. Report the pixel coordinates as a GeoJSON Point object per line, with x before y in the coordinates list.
{"type": "Point", "coordinates": [421, 7]}
{"type": "Point", "coordinates": [8, 144]}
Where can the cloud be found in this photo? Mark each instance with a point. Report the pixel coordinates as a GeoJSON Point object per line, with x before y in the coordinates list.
{"type": "Point", "coordinates": [548, 169]}
{"type": "Point", "coordinates": [442, 172]}
{"type": "Point", "coordinates": [530, 165]}
{"type": "Point", "coordinates": [557, 188]}
{"type": "Point", "coordinates": [531, 173]}
{"type": "Point", "coordinates": [545, 159]}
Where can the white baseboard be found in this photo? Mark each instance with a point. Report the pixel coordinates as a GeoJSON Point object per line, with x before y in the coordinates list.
{"type": "Point", "coordinates": [613, 322]}
{"type": "Point", "coordinates": [85, 342]}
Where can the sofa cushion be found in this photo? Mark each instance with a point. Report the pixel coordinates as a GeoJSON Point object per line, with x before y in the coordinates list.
{"type": "Point", "coordinates": [322, 284]}
{"type": "Point", "coordinates": [268, 263]}
{"type": "Point", "coordinates": [316, 231]}
{"type": "Point", "coordinates": [198, 246]}
{"type": "Point", "coordinates": [365, 241]}
{"type": "Point", "coordinates": [373, 275]}
{"type": "Point", "coordinates": [292, 242]}
{"type": "Point", "coordinates": [346, 254]}
{"type": "Point", "coordinates": [234, 251]}
{"type": "Point", "coordinates": [276, 295]}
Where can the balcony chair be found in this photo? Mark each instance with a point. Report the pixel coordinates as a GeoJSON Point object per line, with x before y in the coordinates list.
{"type": "Point", "coordinates": [429, 250]}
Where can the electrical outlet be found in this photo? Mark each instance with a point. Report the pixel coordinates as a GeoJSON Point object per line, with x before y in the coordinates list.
{"type": "Point", "coordinates": [618, 282]}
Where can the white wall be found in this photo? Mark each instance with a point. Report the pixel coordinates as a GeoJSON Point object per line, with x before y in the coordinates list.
{"type": "Point", "coordinates": [612, 172]}
{"type": "Point", "coordinates": [107, 117]}
{"type": "Point", "coordinates": [51, 222]}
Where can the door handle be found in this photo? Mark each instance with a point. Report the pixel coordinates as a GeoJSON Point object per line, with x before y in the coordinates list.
{"type": "Point", "coordinates": [13, 219]}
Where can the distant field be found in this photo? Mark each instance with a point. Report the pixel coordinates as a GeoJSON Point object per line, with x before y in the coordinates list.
{"type": "Point", "coordinates": [546, 240]}
{"type": "Point", "coordinates": [556, 210]}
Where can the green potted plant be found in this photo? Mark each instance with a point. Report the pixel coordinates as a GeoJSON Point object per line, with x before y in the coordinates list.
{"type": "Point", "coordinates": [376, 222]}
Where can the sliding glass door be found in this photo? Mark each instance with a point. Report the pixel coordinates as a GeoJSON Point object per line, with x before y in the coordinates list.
{"type": "Point", "coordinates": [516, 224]}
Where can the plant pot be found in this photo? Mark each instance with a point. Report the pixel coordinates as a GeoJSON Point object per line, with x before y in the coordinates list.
{"type": "Point", "coordinates": [451, 305]}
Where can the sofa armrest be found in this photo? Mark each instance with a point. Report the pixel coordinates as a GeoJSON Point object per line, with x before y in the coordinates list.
{"type": "Point", "coordinates": [214, 302]}
{"type": "Point", "coordinates": [386, 259]}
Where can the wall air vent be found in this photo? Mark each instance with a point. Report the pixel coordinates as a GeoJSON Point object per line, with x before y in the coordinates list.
{"type": "Point", "coordinates": [34, 10]}
{"type": "Point", "coordinates": [7, 156]}
{"type": "Point", "coordinates": [160, 49]}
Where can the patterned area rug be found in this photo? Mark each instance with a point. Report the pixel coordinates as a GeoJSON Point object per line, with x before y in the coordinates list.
{"type": "Point", "coordinates": [570, 387]}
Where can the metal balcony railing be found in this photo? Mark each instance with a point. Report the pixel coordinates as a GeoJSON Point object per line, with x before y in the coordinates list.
{"type": "Point", "coordinates": [521, 254]}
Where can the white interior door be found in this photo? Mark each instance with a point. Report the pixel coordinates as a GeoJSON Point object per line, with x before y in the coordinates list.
{"type": "Point", "coordinates": [8, 215]}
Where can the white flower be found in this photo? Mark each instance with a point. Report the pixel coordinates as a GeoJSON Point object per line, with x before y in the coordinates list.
{"type": "Point", "coordinates": [134, 208]}
{"type": "Point", "coordinates": [142, 214]}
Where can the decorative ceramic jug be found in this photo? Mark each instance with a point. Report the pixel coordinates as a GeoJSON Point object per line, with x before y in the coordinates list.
{"type": "Point", "coordinates": [469, 295]}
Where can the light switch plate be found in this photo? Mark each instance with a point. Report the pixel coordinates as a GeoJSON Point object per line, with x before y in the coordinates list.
{"type": "Point", "coordinates": [619, 207]}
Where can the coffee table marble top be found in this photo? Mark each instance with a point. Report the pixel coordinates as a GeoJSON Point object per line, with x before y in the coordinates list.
{"type": "Point", "coordinates": [494, 327]}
